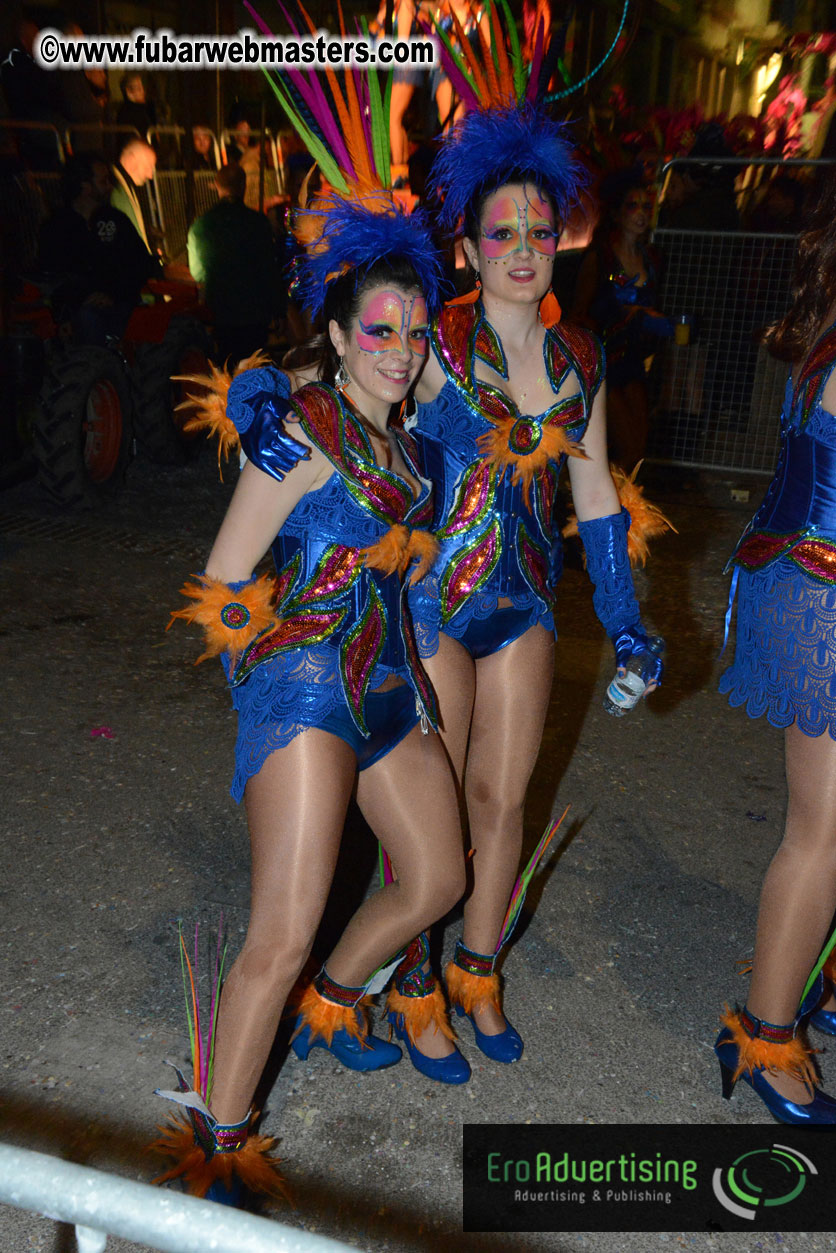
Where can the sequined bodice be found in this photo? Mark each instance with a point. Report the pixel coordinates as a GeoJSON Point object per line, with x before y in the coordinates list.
{"type": "Point", "coordinates": [797, 518]}
{"type": "Point", "coordinates": [494, 479]}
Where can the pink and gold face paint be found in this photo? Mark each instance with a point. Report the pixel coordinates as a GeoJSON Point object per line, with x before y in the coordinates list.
{"type": "Point", "coordinates": [517, 221]}
{"type": "Point", "coordinates": [392, 322]}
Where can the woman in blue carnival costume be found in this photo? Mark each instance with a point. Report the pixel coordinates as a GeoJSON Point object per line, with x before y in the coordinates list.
{"type": "Point", "coordinates": [508, 395]}
{"type": "Point", "coordinates": [784, 579]}
{"type": "Point", "coordinates": [322, 661]}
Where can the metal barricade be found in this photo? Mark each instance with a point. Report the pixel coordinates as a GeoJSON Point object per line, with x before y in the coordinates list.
{"type": "Point", "coordinates": [101, 1204]}
{"type": "Point", "coordinates": [26, 200]}
{"type": "Point", "coordinates": [717, 392]}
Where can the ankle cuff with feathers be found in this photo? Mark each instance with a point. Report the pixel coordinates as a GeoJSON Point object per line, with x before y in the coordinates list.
{"type": "Point", "coordinates": [789, 1053]}
{"type": "Point", "coordinates": [420, 1012]}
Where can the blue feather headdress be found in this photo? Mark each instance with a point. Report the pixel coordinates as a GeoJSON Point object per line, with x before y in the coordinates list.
{"type": "Point", "coordinates": [504, 135]}
{"type": "Point", "coordinates": [358, 220]}
{"type": "Point", "coordinates": [489, 147]}
{"type": "Point", "coordinates": [354, 235]}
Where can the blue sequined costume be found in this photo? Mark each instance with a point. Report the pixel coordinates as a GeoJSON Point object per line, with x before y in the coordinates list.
{"type": "Point", "coordinates": [785, 569]}
{"type": "Point", "coordinates": [344, 629]}
{"type": "Point", "coordinates": [499, 540]}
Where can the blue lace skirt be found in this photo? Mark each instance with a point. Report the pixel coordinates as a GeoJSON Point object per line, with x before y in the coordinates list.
{"type": "Point", "coordinates": [785, 655]}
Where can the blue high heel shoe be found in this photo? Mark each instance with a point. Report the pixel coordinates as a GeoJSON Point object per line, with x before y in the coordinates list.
{"type": "Point", "coordinates": [367, 1053]}
{"type": "Point", "coordinates": [824, 1020]}
{"type": "Point", "coordinates": [451, 1069]}
{"type": "Point", "coordinates": [506, 1046]}
{"type": "Point", "coordinates": [791, 1055]}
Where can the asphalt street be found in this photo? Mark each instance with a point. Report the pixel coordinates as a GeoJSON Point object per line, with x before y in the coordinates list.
{"type": "Point", "coordinates": [116, 822]}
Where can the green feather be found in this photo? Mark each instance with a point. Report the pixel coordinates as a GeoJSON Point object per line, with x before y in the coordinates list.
{"type": "Point", "coordinates": [378, 119]}
{"type": "Point", "coordinates": [314, 145]}
{"type": "Point", "coordinates": [459, 60]}
{"type": "Point", "coordinates": [517, 62]}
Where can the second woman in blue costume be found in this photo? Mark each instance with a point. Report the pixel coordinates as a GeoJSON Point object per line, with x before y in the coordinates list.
{"type": "Point", "coordinates": [784, 577]}
{"type": "Point", "coordinates": [508, 394]}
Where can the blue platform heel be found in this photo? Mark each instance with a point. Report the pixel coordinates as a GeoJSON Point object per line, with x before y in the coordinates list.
{"type": "Point", "coordinates": [824, 1020]}
{"type": "Point", "coordinates": [415, 1002]}
{"type": "Point", "coordinates": [331, 1016]}
{"type": "Point", "coordinates": [747, 1048]}
{"type": "Point", "coordinates": [471, 981]}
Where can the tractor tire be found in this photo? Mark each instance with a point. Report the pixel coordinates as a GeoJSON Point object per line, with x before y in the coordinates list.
{"type": "Point", "coordinates": [159, 428]}
{"type": "Point", "coordinates": [82, 431]}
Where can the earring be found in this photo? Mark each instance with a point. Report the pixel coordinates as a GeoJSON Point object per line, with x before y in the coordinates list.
{"type": "Point", "coordinates": [341, 377]}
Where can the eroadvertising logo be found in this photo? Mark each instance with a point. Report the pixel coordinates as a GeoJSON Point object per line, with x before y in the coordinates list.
{"type": "Point", "coordinates": [645, 1177]}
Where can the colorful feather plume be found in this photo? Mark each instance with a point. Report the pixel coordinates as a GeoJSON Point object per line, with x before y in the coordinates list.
{"type": "Point", "coordinates": [647, 522]}
{"type": "Point", "coordinates": [344, 124]}
{"type": "Point", "coordinates": [202, 1030]}
{"type": "Point", "coordinates": [515, 905]}
{"type": "Point", "coordinates": [208, 407]}
{"type": "Point", "coordinates": [503, 136]}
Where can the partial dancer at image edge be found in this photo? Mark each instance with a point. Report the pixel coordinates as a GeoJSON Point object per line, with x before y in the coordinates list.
{"type": "Point", "coordinates": [322, 662]}
{"type": "Point", "coordinates": [784, 666]}
{"type": "Point", "coordinates": [509, 394]}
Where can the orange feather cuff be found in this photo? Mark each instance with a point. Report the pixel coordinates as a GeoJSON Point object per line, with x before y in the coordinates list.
{"type": "Point", "coordinates": [647, 522]}
{"type": "Point", "coordinates": [231, 620]}
{"type": "Point", "coordinates": [470, 990]}
{"type": "Point", "coordinates": [253, 1164]}
{"type": "Point", "coordinates": [793, 1057]}
{"type": "Point", "coordinates": [394, 551]}
{"type": "Point", "coordinates": [419, 1012]}
{"type": "Point", "coordinates": [208, 406]}
{"type": "Point", "coordinates": [325, 1017]}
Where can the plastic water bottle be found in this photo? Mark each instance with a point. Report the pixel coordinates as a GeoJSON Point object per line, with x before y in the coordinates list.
{"type": "Point", "coordinates": [626, 690]}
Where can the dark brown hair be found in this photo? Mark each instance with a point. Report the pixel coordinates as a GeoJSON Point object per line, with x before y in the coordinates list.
{"type": "Point", "coordinates": [814, 280]}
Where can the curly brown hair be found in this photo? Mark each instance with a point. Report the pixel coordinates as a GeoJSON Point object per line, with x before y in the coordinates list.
{"type": "Point", "coordinates": [814, 280]}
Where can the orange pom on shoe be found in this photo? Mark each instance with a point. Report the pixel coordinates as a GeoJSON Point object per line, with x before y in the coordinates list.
{"type": "Point", "coordinates": [420, 1012]}
{"type": "Point", "coordinates": [230, 620]}
{"type": "Point", "coordinates": [470, 991]}
{"type": "Point", "coordinates": [209, 407]}
{"type": "Point", "coordinates": [793, 1057]}
{"type": "Point", "coordinates": [253, 1164]}
{"type": "Point", "coordinates": [325, 1017]}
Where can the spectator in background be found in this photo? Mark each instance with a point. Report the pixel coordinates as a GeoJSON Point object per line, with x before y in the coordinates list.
{"type": "Point", "coordinates": [93, 247]}
{"type": "Point", "coordinates": [135, 167]}
{"type": "Point", "coordinates": [203, 149]}
{"type": "Point", "coordinates": [77, 102]}
{"type": "Point", "coordinates": [615, 295]}
{"type": "Point", "coordinates": [231, 255]}
{"type": "Point", "coordinates": [136, 109]}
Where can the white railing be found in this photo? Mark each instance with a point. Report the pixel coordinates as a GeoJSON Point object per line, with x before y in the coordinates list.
{"type": "Point", "coordinates": [100, 1204]}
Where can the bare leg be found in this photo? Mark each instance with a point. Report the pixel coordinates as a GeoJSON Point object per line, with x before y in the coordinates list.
{"type": "Point", "coordinates": [296, 808]}
{"type": "Point", "coordinates": [799, 891]}
{"type": "Point", "coordinates": [401, 95]}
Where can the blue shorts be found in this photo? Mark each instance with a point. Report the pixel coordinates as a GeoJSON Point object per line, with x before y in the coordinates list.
{"type": "Point", "coordinates": [390, 716]}
{"type": "Point", "coordinates": [484, 636]}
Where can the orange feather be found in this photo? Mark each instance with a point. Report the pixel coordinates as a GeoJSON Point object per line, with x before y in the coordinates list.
{"type": "Point", "coordinates": [507, 94]}
{"type": "Point", "coordinates": [211, 596]}
{"type": "Point", "coordinates": [421, 1012]}
{"type": "Point", "coordinates": [475, 69]}
{"type": "Point", "coordinates": [793, 1058]}
{"type": "Point", "coordinates": [469, 990]}
{"type": "Point", "coordinates": [253, 1164]}
{"type": "Point", "coordinates": [554, 443]}
{"type": "Point", "coordinates": [209, 407]}
{"type": "Point", "coordinates": [390, 553]}
{"type": "Point", "coordinates": [646, 520]}
{"type": "Point", "coordinates": [424, 546]}
{"type": "Point", "coordinates": [325, 1017]}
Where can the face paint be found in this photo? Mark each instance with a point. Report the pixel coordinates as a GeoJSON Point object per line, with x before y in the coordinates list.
{"type": "Point", "coordinates": [391, 323]}
{"type": "Point", "coordinates": [517, 222]}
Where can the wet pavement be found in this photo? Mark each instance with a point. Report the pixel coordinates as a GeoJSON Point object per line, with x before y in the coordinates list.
{"type": "Point", "coordinates": [116, 823]}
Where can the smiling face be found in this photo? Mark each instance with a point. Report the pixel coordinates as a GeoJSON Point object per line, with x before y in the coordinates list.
{"type": "Point", "coordinates": [384, 349]}
{"type": "Point", "coordinates": [517, 243]}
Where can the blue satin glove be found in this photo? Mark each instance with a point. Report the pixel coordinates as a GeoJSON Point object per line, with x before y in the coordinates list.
{"type": "Point", "coordinates": [257, 403]}
{"type": "Point", "coordinates": [633, 642]}
{"type": "Point", "coordinates": [614, 600]}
